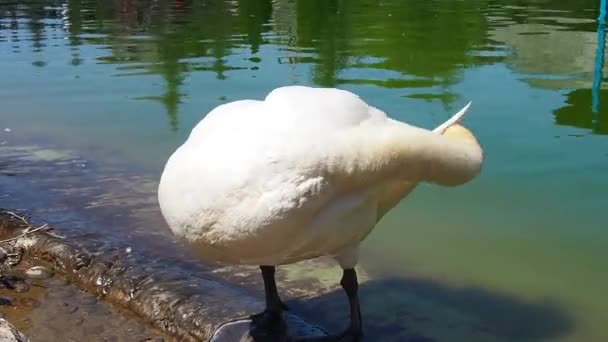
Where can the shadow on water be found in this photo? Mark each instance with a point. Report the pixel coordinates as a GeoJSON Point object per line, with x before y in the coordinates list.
{"type": "Point", "coordinates": [409, 309]}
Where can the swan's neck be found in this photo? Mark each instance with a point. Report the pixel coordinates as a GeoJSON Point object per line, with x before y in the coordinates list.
{"type": "Point", "coordinates": [398, 151]}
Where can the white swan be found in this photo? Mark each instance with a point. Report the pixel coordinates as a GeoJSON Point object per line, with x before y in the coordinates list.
{"type": "Point", "coordinates": [306, 172]}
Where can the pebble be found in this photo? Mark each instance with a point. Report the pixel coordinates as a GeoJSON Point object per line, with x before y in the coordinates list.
{"type": "Point", "coordinates": [16, 255]}
{"type": "Point", "coordinates": [21, 287]}
{"type": "Point", "coordinates": [39, 272]}
{"type": "Point", "coordinates": [5, 300]}
{"type": "Point", "coordinates": [12, 283]}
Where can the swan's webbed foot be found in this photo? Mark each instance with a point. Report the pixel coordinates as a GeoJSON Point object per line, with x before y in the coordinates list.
{"type": "Point", "coordinates": [268, 326]}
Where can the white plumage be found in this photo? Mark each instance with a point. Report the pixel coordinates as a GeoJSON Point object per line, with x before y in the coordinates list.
{"type": "Point", "coordinates": [304, 173]}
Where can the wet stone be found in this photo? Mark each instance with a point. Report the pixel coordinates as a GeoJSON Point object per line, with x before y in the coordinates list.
{"type": "Point", "coordinates": [38, 283]}
{"type": "Point", "coordinates": [39, 272]}
{"type": "Point", "coordinates": [21, 287]}
{"type": "Point", "coordinates": [58, 281]}
{"type": "Point", "coordinates": [15, 256]}
{"type": "Point", "coordinates": [14, 283]}
{"type": "Point", "coordinates": [5, 300]}
{"type": "Point", "coordinates": [8, 333]}
{"type": "Point", "coordinates": [173, 301]}
{"type": "Point", "coordinates": [8, 281]}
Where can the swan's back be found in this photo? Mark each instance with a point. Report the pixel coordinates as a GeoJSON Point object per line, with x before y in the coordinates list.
{"type": "Point", "coordinates": [292, 110]}
{"type": "Point", "coordinates": [305, 172]}
{"type": "Point", "coordinates": [250, 162]}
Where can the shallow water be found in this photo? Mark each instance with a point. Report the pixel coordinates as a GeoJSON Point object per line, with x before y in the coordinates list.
{"type": "Point", "coordinates": [518, 254]}
{"type": "Point", "coordinates": [55, 312]}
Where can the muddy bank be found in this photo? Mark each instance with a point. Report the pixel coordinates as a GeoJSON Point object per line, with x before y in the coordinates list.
{"type": "Point", "coordinates": [182, 305]}
{"type": "Point", "coordinates": [54, 311]}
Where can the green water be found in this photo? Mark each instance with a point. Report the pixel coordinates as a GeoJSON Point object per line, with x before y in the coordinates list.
{"type": "Point", "coordinates": [519, 254]}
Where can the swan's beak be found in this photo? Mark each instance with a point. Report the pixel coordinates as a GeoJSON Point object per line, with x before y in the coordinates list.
{"type": "Point", "coordinates": [453, 120]}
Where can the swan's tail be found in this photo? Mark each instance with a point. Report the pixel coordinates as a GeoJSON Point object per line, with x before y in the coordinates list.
{"type": "Point", "coordinates": [454, 119]}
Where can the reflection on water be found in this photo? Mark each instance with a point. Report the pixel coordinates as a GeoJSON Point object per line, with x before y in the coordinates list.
{"type": "Point", "coordinates": [125, 81]}
{"type": "Point", "coordinates": [422, 46]}
{"type": "Point", "coordinates": [579, 111]}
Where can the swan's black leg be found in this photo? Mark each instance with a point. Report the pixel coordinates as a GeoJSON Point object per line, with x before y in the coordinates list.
{"type": "Point", "coordinates": [351, 286]}
{"type": "Point", "coordinates": [273, 300]}
{"type": "Point", "coordinates": [269, 325]}
{"type": "Point", "coordinates": [354, 332]}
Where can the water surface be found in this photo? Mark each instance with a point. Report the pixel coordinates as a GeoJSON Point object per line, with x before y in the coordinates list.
{"type": "Point", "coordinates": [518, 254]}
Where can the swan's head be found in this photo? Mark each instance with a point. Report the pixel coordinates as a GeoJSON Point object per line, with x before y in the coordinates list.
{"type": "Point", "coordinates": [458, 160]}
{"type": "Point", "coordinates": [461, 135]}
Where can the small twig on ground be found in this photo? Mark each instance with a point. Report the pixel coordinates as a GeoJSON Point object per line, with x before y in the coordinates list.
{"type": "Point", "coordinates": [18, 217]}
{"type": "Point", "coordinates": [54, 234]}
{"type": "Point", "coordinates": [29, 228]}
{"type": "Point", "coordinates": [26, 232]}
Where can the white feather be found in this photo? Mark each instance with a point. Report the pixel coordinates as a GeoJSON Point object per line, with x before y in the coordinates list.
{"type": "Point", "coordinates": [306, 172]}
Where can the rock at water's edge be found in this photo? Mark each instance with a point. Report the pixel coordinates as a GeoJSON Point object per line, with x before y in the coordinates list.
{"type": "Point", "coordinates": [8, 333]}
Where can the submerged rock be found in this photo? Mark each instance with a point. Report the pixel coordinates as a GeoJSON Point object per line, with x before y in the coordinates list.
{"type": "Point", "coordinates": [8, 333]}
{"type": "Point", "coordinates": [21, 287]}
{"type": "Point", "coordinates": [14, 283]}
{"type": "Point", "coordinates": [14, 256]}
{"type": "Point", "coordinates": [5, 300]}
{"type": "Point", "coordinates": [39, 272]}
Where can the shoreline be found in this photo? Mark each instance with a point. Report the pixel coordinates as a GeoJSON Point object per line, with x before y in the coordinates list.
{"type": "Point", "coordinates": [102, 212]}
{"type": "Point", "coordinates": [107, 209]}
{"type": "Point", "coordinates": [110, 209]}
{"type": "Point", "coordinates": [179, 304]}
